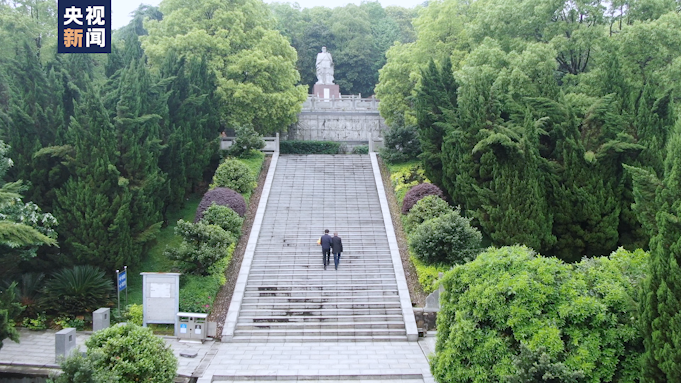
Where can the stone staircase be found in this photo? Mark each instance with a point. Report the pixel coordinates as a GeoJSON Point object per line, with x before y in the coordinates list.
{"type": "Point", "coordinates": [288, 295]}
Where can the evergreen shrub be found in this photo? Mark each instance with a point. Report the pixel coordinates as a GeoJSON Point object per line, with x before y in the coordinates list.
{"type": "Point", "coordinates": [309, 147]}
{"type": "Point", "coordinates": [235, 175]}
{"type": "Point", "coordinates": [78, 290]}
{"type": "Point", "coordinates": [202, 246]}
{"type": "Point", "coordinates": [449, 240]}
{"type": "Point", "coordinates": [401, 144]}
{"type": "Point", "coordinates": [224, 217]}
{"type": "Point", "coordinates": [361, 149]}
{"type": "Point", "coordinates": [135, 314]}
{"type": "Point", "coordinates": [584, 315]}
{"type": "Point", "coordinates": [246, 139]}
{"type": "Point", "coordinates": [428, 207]}
{"type": "Point", "coordinates": [9, 309]}
{"type": "Point", "coordinates": [224, 197]}
{"type": "Point", "coordinates": [81, 369]}
{"type": "Point", "coordinates": [428, 274]}
{"type": "Point", "coordinates": [405, 176]}
{"type": "Point", "coordinates": [416, 193]}
{"type": "Point", "coordinates": [134, 353]}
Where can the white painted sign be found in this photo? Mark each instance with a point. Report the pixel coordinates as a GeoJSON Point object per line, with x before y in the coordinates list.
{"type": "Point", "coordinates": [159, 290]}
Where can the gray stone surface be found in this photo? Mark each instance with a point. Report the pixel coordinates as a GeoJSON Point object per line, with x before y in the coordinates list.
{"type": "Point", "coordinates": [338, 126]}
{"type": "Point", "coordinates": [289, 296]}
{"type": "Point", "coordinates": [64, 343]}
{"type": "Point", "coordinates": [101, 319]}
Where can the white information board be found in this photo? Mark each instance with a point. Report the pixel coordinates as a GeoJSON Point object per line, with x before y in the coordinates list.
{"type": "Point", "coordinates": [161, 299]}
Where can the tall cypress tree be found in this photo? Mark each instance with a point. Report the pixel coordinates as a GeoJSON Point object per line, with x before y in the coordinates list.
{"type": "Point", "coordinates": [513, 200]}
{"type": "Point", "coordinates": [661, 303]}
{"type": "Point", "coordinates": [436, 103]}
{"type": "Point", "coordinates": [93, 208]}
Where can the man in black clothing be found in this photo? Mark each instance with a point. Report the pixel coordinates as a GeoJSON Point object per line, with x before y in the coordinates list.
{"type": "Point", "coordinates": [325, 241]}
{"type": "Point", "coordinates": [337, 246]}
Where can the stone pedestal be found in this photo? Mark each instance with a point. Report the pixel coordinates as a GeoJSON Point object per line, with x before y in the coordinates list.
{"type": "Point", "coordinates": [101, 319]}
{"type": "Point", "coordinates": [64, 343]}
{"type": "Point", "coordinates": [326, 91]}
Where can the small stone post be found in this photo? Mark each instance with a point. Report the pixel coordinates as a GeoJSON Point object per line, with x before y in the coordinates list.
{"type": "Point", "coordinates": [64, 343]}
{"type": "Point", "coordinates": [101, 319]}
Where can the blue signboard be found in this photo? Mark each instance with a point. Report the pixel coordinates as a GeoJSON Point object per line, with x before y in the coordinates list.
{"type": "Point", "coordinates": [84, 26]}
{"type": "Point", "coordinates": [122, 281]}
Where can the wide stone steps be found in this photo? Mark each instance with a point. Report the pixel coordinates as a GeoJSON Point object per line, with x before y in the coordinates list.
{"type": "Point", "coordinates": [289, 296]}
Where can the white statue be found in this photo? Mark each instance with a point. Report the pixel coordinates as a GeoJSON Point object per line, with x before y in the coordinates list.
{"type": "Point", "coordinates": [324, 67]}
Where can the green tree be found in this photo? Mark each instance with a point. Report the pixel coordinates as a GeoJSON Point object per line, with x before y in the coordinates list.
{"type": "Point", "coordinates": [254, 65]}
{"type": "Point", "coordinates": [660, 306]}
{"type": "Point", "coordinates": [491, 305]}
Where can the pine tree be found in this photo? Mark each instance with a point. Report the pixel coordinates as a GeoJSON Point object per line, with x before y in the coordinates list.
{"type": "Point", "coordinates": [661, 303]}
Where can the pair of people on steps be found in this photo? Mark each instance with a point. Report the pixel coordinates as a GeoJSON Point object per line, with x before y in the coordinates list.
{"type": "Point", "coordinates": [331, 245]}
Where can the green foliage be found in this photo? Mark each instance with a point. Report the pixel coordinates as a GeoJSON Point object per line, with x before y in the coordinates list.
{"type": "Point", "coordinates": [449, 239]}
{"type": "Point", "coordinates": [9, 309]}
{"type": "Point", "coordinates": [309, 147]}
{"type": "Point", "coordinates": [539, 366]}
{"type": "Point", "coordinates": [224, 217]}
{"type": "Point", "coordinates": [361, 149]}
{"type": "Point", "coordinates": [405, 176]}
{"type": "Point", "coordinates": [66, 322]}
{"type": "Point", "coordinates": [428, 275]}
{"type": "Point", "coordinates": [135, 314]}
{"type": "Point", "coordinates": [134, 353]}
{"type": "Point", "coordinates": [235, 175]}
{"type": "Point", "coordinates": [247, 139]}
{"type": "Point", "coordinates": [80, 369]}
{"type": "Point", "coordinates": [583, 316]}
{"type": "Point", "coordinates": [254, 65]}
{"type": "Point", "coordinates": [78, 290]}
{"type": "Point", "coordinates": [428, 207]}
{"type": "Point", "coordinates": [660, 306]}
{"type": "Point", "coordinates": [197, 293]}
{"type": "Point", "coordinates": [36, 324]}
{"type": "Point", "coordinates": [401, 144]}
{"type": "Point", "coordinates": [202, 246]}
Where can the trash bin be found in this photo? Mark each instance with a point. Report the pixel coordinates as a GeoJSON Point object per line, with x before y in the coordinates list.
{"type": "Point", "coordinates": [192, 326]}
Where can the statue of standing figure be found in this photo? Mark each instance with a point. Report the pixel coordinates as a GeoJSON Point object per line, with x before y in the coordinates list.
{"type": "Point", "coordinates": [324, 67]}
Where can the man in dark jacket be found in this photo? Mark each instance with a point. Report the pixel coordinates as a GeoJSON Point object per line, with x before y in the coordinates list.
{"type": "Point", "coordinates": [337, 246]}
{"type": "Point", "coordinates": [326, 248]}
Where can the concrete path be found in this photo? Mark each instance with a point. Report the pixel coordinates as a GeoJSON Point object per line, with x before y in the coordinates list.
{"type": "Point", "coordinates": [375, 362]}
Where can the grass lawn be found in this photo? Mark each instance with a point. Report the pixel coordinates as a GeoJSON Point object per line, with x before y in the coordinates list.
{"type": "Point", "coordinates": [154, 261]}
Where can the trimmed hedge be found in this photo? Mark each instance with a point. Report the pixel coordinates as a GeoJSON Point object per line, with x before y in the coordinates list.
{"type": "Point", "coordinates": [428, 207]}
{"type": "Point", "coordinates": [447, 240]}
{"type": "Point", "coordinates": [416, 193]}
{"type": "Point", "coordinates": [223, 197]}
{"type": "Point", "coordinates": [235, 175]}
{"type": "Point", "coordinates": [309, 147]}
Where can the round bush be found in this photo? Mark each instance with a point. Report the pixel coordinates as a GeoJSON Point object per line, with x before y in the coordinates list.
{"type": "Point", "coordinates": [449, 239]}
{"type": "Point", "coordinates": [222, 197]}
{"type": "Point", "coordinates": [427, 208]}
{"type": "Point", "coordinates": [224, 217]}
{"type": "Point", "coordinates": [78, 290]}
{"type": "Point", "coordinates": [235, 175]}
{"type": "Point", "coordinates": [134, 353]}
{"type": "Point", "coordinates": [416, 193]}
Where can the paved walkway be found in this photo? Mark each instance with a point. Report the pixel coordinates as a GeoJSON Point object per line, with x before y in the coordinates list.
{"type": "Point", "coordinates": [375, 362]}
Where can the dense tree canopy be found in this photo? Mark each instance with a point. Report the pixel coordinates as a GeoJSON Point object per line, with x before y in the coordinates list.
{"type": "Point", "coordinates": [528, 111]}
{"type": "Point", "coordinates": [254, 65]}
